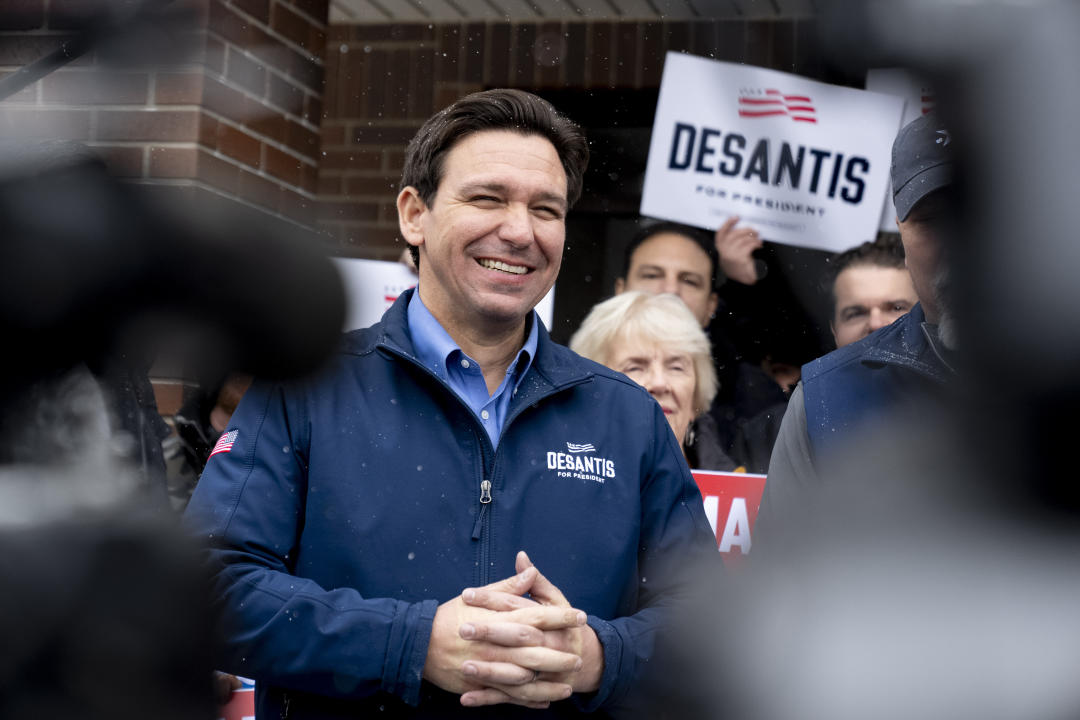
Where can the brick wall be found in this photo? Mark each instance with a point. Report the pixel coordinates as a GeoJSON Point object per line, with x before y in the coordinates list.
{"type": "Point", "coordinates": [383, 81]}
{"type": "Point", "coordinates": [231, 104]}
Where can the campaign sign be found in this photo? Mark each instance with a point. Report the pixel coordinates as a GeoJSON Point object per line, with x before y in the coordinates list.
{"type": "Point", "coordinates": [919, 99]}
{"type": "Point", "coordinates": [731, 505]}
{"type": "Point", "coordinates": [372, 286]}
{"type": "Point", "coordinates": [803, 162]}
{"type": "Point", "coordinates": [241, 705]}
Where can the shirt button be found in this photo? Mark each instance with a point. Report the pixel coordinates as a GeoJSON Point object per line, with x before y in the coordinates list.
{"type": "Point", "coordinates": [485, 414]}
{"type": "Point", "coordinates": [465, 363]}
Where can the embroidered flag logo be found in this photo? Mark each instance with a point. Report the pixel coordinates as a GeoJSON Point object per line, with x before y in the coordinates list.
{"type": "Point", "coordinates": [224, 443]}
{"type": "Point", "coordinates": [767, 103]}
{"type": "Point", "coordinates": [587, 447]}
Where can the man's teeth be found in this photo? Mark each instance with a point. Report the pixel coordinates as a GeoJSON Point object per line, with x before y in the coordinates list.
{"type": "Point", "coordinates": [499, 265]}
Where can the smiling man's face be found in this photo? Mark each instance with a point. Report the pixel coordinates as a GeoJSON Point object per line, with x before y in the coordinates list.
{"type": "Point", "coordinates": [491, 242]}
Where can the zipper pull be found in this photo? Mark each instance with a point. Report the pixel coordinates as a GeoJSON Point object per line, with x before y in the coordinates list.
{"type": "Point", "coordinates": [485, 500]}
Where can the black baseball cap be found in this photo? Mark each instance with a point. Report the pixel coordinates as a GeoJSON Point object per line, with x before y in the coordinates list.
{"type": "Point", "coordinates": [922, 162]}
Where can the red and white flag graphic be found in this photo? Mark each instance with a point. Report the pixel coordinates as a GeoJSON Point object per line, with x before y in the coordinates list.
{"type": "Point", "coordinates": [799, 108]}
{"type": "Point", "coordinates": [224, 443]}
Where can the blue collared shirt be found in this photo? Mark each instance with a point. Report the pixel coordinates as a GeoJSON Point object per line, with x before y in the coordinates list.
{"type": "Point", "coordinates": [440, 354]}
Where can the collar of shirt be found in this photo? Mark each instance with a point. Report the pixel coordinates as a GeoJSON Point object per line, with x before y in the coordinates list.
{"type": "Point", "coordinates": [440, 354]}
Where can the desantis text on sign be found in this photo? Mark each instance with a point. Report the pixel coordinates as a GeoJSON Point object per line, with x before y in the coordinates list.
{"type": "Point", "coordinates": [804, 162]}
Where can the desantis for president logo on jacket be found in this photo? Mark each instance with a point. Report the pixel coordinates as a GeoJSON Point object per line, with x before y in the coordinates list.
{"type": "Point", "coordinates": [579, 461]}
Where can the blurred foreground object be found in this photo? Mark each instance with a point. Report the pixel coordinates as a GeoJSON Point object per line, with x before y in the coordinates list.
{"type": "Point", "coordinates": [935, 575]}
{"type": "Point", "coordinates": [104, 612]}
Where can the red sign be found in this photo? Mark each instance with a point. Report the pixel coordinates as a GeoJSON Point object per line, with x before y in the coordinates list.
{"type": "Point", "coordinates": [241, 705]}
{"type": "Point", "coordinates": [731, 505]}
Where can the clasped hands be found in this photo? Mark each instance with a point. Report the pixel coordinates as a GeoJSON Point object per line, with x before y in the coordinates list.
{"type": "Point", "coordinates": [494, 645]}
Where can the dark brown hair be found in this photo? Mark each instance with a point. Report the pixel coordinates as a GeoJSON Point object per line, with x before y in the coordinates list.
{"type": "Point", "coordinates": [500, 109]}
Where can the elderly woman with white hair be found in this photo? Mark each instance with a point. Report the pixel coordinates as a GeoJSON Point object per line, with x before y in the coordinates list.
{"type": "Point", "coordinates": [658, 343]}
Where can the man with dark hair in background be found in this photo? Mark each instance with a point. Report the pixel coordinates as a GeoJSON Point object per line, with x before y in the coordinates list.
{"type": "Point", "coordinates": [869, 289]}
{"type": "Point", "coordinates": [855, 388]}
{"type": "Point", "coordinates": [347, 513]}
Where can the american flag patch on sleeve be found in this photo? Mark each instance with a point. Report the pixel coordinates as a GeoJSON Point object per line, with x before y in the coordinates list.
{"type": "Point", "coordinates": [224, 443]}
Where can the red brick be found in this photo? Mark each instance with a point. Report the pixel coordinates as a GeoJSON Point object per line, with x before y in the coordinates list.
{"type": "Point", "coordinates": [302, 139]}
{"type": "Point", "coordinates": [395, 160]}
{"type": "Point", "coordinates": [214, 55]}
{"type": "Point", "coordinates": [372, 241]}
{"type": "Point", "coordinates": [225, 101]}
{"type": "Point", "coordinates": [258, 9]}
{"type": "Point", "coordinates": [178, 88]}
{"type": "Point", "coordinates": [347, 88]}
{"type": "Point", "coordinates": [217, 173]}
{"type": "Point", "coordinates": [162, 125]}
{"type": "Point", "coordinates": [309, 178]}
{"type": "Point", "coordinates": [294, 205]}
{"type": "Point", "coordinates": [388, 212]}
{"type": "Point", "coordinates": [207, 131]}
{"type": "Point", "coordinates": [317, 10]}
{"type": "Point", "coordinates": [258, 190]}
{"type": "Point", "coordinates": [378, 134]}
{"type": "Point", "coordinates": [231, 27]}
{"type": "Point", "coordinates": [351, 160]}
{"type": "Point", "coordinates": [306, 70]}
{"type": "Point", "coordinates": [22, 14]}
{"type": "Point", "coordinates": [245, 72]}
{"type": "Point", "coordinates": [95, 88]}
{"type": "Point", "coordinates": [313, 110]}
{"type": "Point", "coordinates": [35, 124]}
{"type": "Point", "coordinates": [171, 162]}
{"type": "Point", "coordinates": [399, 85]}
{"type": "Point", "coordinates": [270, 123]}
{"type": "Point", "coordinates": [297, 28]}
{"type": "Point", "coordinates": [345, 211]}
{"type": "Point", "coordinates": [371, 186]}
{"type": "Point", "coordinates": [285, 95]}
{"type": "Point", "coordinates": [376, 68]}
{"type": "Point", "coordinates": [332, 135]}
{"type": "Point", "coordinates": [329, 184]}
{"type": "Point", "coordinates": [284, 167]}
{"type": "Point", "coordinates": [238, 145]}
{"type": "Point", "coordinates": [122, 160]}
{"type": "Point", "coordinates": [421, 94]}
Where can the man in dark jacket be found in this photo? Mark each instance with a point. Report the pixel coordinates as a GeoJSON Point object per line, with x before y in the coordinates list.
{"type": "Point", "coordinates": [347, 513]}
{"type": "Point", "coordinates": [905, 365]}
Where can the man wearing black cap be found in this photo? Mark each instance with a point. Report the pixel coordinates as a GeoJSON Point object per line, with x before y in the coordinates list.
{"type": "Point", "coordinates": [854, 389]}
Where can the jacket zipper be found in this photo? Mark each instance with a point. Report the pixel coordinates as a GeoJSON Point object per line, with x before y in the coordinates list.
{"type": "Point", "coordinates": [485, 500]}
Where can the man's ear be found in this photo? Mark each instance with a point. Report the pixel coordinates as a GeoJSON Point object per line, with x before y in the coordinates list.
{"type": "Point", "coordinates": [410, 210]}
{"type": "Point", "coordinates": [620, 285]}
{"type": "Point", "coordinates": [714, 302]}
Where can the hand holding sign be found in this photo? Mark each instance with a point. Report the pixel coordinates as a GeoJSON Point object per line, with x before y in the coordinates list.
{"type": "Point", "coordinates": [736, 247]}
